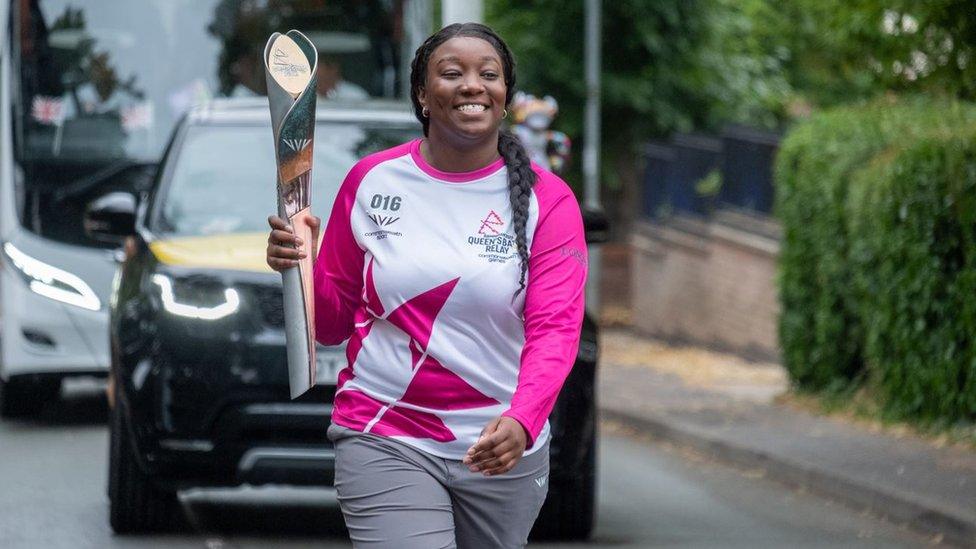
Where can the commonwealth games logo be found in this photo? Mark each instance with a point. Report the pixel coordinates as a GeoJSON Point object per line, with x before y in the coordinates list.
{"type": "Point", "coordinates": [297, 145]}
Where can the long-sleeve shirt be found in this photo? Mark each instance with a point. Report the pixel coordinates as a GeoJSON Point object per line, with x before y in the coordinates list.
{"type": "Point", "coordinates": [417, 269]}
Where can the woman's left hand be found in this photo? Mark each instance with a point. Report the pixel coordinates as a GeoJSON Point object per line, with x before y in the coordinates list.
{"type": "Point", "coordinates": [499, 449]}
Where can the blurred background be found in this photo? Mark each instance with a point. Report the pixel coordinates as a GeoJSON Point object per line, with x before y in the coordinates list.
{"type": "Point", "coordinates": [783, 296]}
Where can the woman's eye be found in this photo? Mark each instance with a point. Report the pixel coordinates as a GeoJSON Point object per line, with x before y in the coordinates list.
{"type": "Point", "coordinates": [490, 75]}
{"type": "Point", "coordinates": [451, 74]}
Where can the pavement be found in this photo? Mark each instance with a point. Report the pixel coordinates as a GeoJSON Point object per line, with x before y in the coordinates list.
{"type": "Point", "coordinates": [727, 408]}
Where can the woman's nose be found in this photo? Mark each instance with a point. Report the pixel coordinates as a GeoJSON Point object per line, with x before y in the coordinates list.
{"type": "Point", "coordinates": [472, 84]}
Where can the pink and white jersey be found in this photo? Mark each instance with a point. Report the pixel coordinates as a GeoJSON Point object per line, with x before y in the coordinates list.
{"type": "Point", "coordinates": [417, 269]}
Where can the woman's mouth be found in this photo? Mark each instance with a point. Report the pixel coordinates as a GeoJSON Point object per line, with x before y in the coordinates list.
{"type": "Point", "coordinates": [471, 108]}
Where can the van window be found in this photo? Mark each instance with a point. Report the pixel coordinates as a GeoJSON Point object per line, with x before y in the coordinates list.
{"type": "Point", "coordinates": [100, 85]}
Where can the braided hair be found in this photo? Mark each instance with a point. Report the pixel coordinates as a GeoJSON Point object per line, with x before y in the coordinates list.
{"type": "Point", "coordinates": [521, 178]}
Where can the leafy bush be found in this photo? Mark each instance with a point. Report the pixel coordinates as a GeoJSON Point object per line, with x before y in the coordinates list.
{"type": "Point", "coordinates": [819, 333]}
{"type": "Point", "coordinates": [913, 254]}
{"type": "Point", "coordinates": [877, 277]}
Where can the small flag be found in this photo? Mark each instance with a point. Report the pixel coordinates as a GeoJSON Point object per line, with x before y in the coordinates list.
{"type": "Point", "coordinates": [138, 116]}
{"type": "Point", "coordinates": [47, 110]}
{"type": "Point", "coordinates": [191, 94]}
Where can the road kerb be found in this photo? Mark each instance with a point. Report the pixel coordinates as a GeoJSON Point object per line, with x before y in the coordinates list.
{"type": "Point", "coordinates": [923, 516]}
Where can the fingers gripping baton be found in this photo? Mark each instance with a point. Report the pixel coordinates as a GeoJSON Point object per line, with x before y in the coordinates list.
{"type": "Point", "coordinates": [290, 61]}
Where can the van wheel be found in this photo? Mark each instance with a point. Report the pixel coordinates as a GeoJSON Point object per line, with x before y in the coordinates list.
{"type": "Point", "coordinates": [136, 504]}
{"type": "Point", "coordinates": [24, 396]}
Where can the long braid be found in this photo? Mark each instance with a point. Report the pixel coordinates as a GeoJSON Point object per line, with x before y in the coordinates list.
{"type": "Point", "coordinates": [521, 178]}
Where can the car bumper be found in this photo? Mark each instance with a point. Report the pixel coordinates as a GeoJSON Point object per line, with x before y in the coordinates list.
{"type": "Point", "coordinates": [255, 443]}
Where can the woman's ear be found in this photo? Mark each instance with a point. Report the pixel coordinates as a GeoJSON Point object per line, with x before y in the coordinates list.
{"type": "Point", "coordinates": [422, 96]}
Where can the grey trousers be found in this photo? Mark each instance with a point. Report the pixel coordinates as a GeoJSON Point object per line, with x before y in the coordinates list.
{"type": "Point", "coordinates": [395, 496]}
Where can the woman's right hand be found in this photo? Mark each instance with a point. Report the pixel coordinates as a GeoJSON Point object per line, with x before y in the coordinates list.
{"type": "Point", "coordinates": [284, 247]}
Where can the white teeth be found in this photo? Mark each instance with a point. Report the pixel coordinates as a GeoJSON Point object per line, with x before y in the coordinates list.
{"type": "Point", "coordinates": [471, 108]}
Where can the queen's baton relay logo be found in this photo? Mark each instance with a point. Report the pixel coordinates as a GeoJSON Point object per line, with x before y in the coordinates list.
{"type": "Point", "coordinates": [280, 64]}
{"type": "Point", "coordinates": [491, 241]}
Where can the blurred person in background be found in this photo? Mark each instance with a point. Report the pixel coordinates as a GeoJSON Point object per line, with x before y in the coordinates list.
{"type": "Point", "coordinates": [332, 48]}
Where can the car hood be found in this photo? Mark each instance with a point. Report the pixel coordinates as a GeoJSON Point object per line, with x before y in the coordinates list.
{"type": "Point", "coordinates": [236, 252]}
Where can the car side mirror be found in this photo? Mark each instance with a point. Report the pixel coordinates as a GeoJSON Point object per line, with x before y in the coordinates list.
{"type": "Point", "coordinates": [596, 225]}
{"type": "Point", "coordinates": [111, 217]}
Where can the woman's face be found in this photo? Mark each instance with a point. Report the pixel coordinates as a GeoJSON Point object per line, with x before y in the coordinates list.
{"type": "Point", "coordinates": [465, 89]}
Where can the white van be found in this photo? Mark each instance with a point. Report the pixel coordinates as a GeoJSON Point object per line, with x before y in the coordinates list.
{"type": "Point", "coordinates": [89, 93]}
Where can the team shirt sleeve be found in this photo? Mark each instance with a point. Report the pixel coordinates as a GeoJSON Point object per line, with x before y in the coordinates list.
{"type": "Point", "coordinates": [554, 304]}
{"type": "Point", "coordinates": [338, 272]}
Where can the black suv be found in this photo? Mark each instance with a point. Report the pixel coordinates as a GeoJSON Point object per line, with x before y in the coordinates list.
{"type": "Point", "coordinates": [198, 383]}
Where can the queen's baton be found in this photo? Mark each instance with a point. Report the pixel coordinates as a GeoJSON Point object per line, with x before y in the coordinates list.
{"type": "Point", "coordinates": [289, 65]}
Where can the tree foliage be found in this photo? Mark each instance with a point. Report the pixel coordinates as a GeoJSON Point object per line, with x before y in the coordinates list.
{"type": "Point", "coordinates": [667, 66]}
{"type": "Point", "coordinates": [680, 65]}
{"type": "Point", "coordinates": [836, 51]}
{"type": "Point", "coordinates": [698, 65]}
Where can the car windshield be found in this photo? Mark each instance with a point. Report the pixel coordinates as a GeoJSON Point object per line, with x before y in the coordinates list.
{"type": "Point", "coordinates": [223, 179]}
{"type": "Point", "coordinates": [108, 80]}
{"type": "Point", "coordinates": [98, 85]}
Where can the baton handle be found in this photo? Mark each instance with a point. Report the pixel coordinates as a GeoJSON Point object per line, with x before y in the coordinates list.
{"type": "Point", "coordinates": [299, 309]}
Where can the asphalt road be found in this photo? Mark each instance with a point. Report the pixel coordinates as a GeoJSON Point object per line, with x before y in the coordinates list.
{"type": "Point", "coordinates": [52, 495]}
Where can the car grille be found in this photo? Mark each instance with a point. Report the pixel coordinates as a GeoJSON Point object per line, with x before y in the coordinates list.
{"type": "Point", "coordinates": [271, 306]}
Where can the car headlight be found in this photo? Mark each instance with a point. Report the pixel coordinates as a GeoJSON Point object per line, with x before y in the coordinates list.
{"type": "Point", "coordinates": [191, 305]}
{"type": "Point", "coordinates": [50, 281]}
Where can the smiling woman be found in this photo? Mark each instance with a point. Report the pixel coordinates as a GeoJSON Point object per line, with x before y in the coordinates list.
{"type": "Point", "coordinates": [464, 97]}
{"type": "Point", "coordinates": [447, 444]}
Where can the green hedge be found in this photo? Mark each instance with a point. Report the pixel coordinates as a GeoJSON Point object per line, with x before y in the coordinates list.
{"type": "Point", "coordinates": [819, 332]}
{"type": "Point", "coordinates": [876, 268]}
{"type": "Point", "coordinates": [913, 255]}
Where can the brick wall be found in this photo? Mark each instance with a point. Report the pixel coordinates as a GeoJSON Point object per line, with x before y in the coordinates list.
{"type": "Point", "coordinates": [710, 283]}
